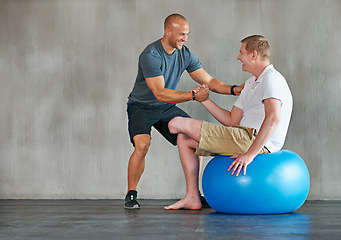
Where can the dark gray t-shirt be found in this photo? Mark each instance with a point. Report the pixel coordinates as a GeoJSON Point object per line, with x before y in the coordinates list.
{"type": "Point", "coordinates": [154, 62]}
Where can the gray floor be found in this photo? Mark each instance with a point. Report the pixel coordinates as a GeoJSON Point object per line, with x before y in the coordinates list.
{"type": "Point", "coordinates": [106, 219]}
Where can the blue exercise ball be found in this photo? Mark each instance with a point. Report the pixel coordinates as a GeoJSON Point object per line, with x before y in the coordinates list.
{"type": "Point", "coordinates": [274, 183]}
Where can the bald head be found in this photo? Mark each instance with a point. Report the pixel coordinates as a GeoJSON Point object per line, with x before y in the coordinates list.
{"type": "Point", "coordinates": [176, 32]}
{"type": "Point", "coordinates": [173, 18]}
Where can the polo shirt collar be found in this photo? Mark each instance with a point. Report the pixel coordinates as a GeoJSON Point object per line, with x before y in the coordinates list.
{"type": "Point", "coordinates": [264, 72]}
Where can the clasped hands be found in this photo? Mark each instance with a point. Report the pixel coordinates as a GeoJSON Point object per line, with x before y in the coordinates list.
{"type": "Point", "coordinates": [202, 92]}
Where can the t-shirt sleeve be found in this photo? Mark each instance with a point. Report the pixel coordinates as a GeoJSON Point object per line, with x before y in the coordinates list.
{"type": "Point", "coordinates": [150, 65]}
{"type": "Point", "coordinates": [239, 102]}
{"type": "Point", "coordinates": [272, 90]}
{"type": "Point", "coordinates": [194, 64]}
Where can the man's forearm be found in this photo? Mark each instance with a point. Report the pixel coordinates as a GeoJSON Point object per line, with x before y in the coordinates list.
{"type": "Point", "coordinates": [173, 96]}
{"type": "Point", "coordinates": [272, 118]}
{"type": "Point", "coordinates": [218, 86]}
{"type": "Point", "coordinates": [265, 132]}
{"type": "Point", "coordinates": [222, 115]}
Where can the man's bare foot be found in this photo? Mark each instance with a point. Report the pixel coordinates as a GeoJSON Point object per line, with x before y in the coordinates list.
{"type": "Point", "coordinates": [185, 203]}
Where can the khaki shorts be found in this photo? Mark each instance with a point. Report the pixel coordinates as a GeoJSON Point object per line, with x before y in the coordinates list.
{"type": "Point", "coordinates": [217, 139]}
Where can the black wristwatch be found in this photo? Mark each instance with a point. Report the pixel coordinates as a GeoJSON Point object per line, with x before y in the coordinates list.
{"type": "Point", "coordinates": [232, 91]}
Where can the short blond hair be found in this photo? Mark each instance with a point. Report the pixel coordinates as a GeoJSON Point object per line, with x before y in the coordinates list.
{"type": "Point", "coordinates": [258, 43]}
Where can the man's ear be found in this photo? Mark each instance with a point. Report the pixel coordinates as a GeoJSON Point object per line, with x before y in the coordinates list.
{"type": "Point", "coordinates": [167, 31]}
{"type": "Point", "coordinates": [254, 55]}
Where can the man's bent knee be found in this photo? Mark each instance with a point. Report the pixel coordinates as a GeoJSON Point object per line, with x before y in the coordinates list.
{"type": "Point", "coordinates": [142, 144]}
{"type": "Point", "coordinates": [174, 124]}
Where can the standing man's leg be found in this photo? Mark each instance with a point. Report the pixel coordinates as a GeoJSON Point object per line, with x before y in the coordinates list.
{"type": "Point", "coordinates": [137, 160]}
{"type": "Point", "coordinates": [136, 168]}
{"type": "Point", "coordinates": [140, 120]}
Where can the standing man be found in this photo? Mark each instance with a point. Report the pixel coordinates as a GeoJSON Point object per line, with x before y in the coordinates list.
{"type": "Point", "coordinates": [257, 123]}
{"type": "Point", "coordinates": [153, 98]}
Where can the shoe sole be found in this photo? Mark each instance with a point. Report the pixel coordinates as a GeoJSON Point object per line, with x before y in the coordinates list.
{"type": "Point", "coordinates": [130, 208]}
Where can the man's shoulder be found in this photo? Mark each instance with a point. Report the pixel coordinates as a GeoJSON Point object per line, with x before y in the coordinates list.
{"type": "Point", "coordinates": [273, 73]}
{"type": "Point", "coordinates": [273, 77]}
{"type": "Point", "coordinates": [151, 53]}
{"type": "Point", "coordinates": [153, 48]}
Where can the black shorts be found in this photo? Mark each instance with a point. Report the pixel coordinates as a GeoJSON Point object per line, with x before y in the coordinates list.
{"type": "Point", "coordinates": [141, 118]}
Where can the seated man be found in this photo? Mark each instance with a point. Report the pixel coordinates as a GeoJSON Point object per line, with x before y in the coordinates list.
{"type": "Point", "coordinates": [257, 123]}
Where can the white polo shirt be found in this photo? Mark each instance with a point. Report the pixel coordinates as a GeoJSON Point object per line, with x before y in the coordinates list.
{"type": "Point", "coordinates": [270, 84]}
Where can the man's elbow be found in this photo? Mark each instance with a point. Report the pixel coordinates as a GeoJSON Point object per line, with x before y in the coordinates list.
{"type": "Point", "coordinates": [160, 97]}
{"type": "Point", "coordinates": [272, 120]}
{"type": "Point", "coordinates": [275, 120]}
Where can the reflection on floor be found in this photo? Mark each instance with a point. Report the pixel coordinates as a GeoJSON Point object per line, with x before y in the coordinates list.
{"type": "Point", "coordinates": [107, 219]}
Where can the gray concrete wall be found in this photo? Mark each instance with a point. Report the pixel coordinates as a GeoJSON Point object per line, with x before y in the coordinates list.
{"type": "Point", "coordinates": [67, 67]}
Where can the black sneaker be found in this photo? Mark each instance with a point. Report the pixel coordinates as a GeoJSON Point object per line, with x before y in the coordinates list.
{"type": "Point", "coordinates": [203, 201]}
{"type": "Point", "coordinates": [131, 202]}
